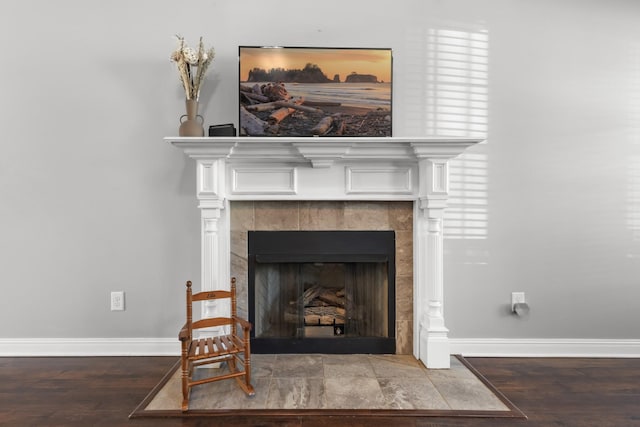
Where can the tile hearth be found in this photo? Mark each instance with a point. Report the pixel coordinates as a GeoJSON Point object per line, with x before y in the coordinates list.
{"type": "Point", "coordinates": [321, 381]}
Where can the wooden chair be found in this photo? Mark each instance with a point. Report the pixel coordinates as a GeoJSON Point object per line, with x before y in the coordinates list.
{"type": "Point", "coordinates": [233, 348]}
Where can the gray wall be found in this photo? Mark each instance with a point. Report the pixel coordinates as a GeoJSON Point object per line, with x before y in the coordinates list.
{"type": "Point", "coordinates": [92, 200]}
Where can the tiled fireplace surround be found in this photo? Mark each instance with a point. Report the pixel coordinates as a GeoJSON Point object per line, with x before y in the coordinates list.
{"type": "Point", "coordinates": [331, 215]}
{"type": "Point", "coordinates": [341, 183]}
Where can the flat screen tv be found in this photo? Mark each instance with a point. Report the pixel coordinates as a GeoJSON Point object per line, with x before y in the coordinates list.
{"type": "Point", "coordinates": [315, 91]}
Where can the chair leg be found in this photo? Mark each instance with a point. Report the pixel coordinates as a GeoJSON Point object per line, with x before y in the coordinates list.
{"type": "Point", "coordinates": [247, 369]}
{"type": "Point", "coordinates": [232, 364]}
{"type": "Point", "coordinates": [246, 385]}
{"type": "Point", "coordinates": [185, 384]}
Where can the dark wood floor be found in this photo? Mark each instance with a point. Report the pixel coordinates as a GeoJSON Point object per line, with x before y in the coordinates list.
{"type": "Point", "coordinates": [103, 391]}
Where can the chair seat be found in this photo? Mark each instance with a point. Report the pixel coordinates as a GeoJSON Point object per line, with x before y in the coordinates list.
{"type": "Point", "coordinates": [223, 345]}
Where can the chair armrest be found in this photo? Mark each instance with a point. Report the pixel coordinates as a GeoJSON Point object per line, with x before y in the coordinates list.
{"type": "Point", "coordinates": [242, 322]}
{"type": "Point", "coordinates": [184, 333]}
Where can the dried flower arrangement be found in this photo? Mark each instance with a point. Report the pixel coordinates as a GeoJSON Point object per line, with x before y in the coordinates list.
{"type": "Point", "coordinates": [187, 59]}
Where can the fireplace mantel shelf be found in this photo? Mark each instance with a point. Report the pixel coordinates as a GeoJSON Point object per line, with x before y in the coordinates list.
{"type": "Point", "coordinates": [321, 151]}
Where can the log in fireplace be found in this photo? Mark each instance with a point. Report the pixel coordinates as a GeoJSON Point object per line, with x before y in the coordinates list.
{"type": "Point", "coordinates": [322, 291]}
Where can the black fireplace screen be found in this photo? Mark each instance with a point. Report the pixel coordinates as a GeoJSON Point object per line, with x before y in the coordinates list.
{"type": "Point", "coordinates": [322, 292]}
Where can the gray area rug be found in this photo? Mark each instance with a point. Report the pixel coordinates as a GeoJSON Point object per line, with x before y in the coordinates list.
{"type": "Point", "coordinates": [335, 384]}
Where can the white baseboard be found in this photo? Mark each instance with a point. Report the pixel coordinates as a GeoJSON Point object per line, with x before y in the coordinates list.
{"type": "Point", "coordinates": [89, 347]}
{"type": "Point", "coordinates": [470, 347]}
{"type": "Point", "coordinates": [490, 347]}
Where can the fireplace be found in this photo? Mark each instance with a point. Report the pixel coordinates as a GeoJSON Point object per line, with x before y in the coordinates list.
{"type": "Point", "coordinates": [322, 291]}
{"type": "Point", "coordinates": [341, 169]}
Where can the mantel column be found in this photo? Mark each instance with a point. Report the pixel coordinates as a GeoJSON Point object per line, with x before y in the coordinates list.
{"type": "Point", "coordinates": [214, 232]}
{"type": "Point", "coordinates": [431, 343]}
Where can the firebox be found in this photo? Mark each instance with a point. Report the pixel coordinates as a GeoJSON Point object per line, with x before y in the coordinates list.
{"type": "Point", "coordinates": [322, 291]}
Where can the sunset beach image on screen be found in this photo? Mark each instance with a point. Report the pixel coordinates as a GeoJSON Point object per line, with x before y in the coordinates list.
{"type": "Point", "coordinates": [315, 91]}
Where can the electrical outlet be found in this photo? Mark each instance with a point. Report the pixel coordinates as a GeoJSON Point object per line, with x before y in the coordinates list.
{"type": "Point", "coordinates": [516, 298]}
{"type": "Point", "coordinates": [117, 301]}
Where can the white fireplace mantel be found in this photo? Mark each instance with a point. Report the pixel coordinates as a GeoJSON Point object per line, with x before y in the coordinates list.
{"type": "Point", "coordinates": [335, 168]}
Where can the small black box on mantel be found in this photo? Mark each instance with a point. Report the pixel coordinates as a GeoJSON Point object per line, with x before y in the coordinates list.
{"type": "Point", "coordinates": [227, 129]}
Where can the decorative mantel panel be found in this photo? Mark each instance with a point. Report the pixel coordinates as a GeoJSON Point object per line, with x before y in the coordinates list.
{"type": "Point", "coordinates": [336, 168]}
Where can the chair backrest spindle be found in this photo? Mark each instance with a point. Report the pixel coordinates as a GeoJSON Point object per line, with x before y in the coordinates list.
{"type": "Point", "coordinates": [234, 304]}
{"type": "Point", "coordinates": [189, 308]}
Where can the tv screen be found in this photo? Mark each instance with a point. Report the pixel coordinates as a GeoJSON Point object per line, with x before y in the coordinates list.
{"type": "Point", "coordinates": [315, 91]}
